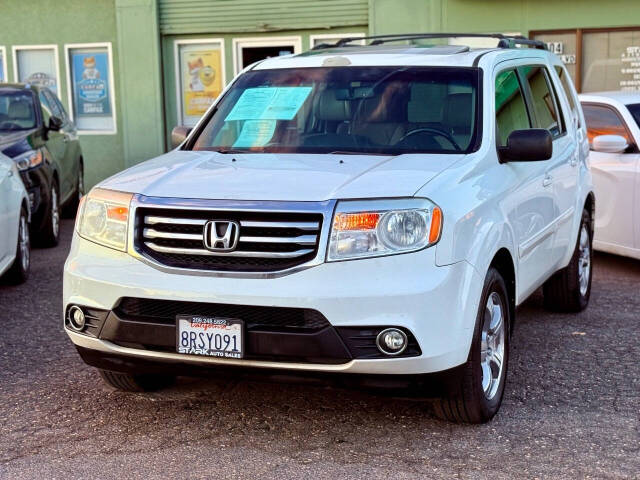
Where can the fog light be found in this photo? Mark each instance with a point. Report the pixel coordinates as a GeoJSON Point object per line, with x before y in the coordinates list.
{"type": "Point", "coordinates": [76, 318]}
{"type": "Point", "coordinates": [392, 341]}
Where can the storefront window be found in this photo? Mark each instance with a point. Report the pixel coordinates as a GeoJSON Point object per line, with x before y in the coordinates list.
{"type": "Point", "coordinates": [598, 59]}
{"type": "Point", "coordinates": [37, 65]}
{"type": "Point", "coordinates": [611, 61]}
{"type": "Point", "coordinates": [91, 89]}
{"type": "Point", "coordinates": [200, 77]}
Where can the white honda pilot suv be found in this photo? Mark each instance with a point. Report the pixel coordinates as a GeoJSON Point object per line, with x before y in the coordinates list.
{"type": "Point", "coordinates": [376, 211]}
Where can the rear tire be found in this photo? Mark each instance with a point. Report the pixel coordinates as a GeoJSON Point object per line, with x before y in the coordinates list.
{"type": "Point", "coordinates": [49, 235]}
{"type": "Point", "coordinates": [569, 289]}
{"type": "Point", "coordinates": [474, 390]}
{"type": "Point", "coordinates": [127, 382]}
{"type": "Point", "coordinates": [19, 271]}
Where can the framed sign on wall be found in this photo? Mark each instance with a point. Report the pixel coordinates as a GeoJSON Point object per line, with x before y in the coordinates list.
{"type": "Point", "coordinates": [37, 65]}
{"type": "Point", "coordinates": [200, 76]}
{"type": "Point", "coordinates": [90, 87]}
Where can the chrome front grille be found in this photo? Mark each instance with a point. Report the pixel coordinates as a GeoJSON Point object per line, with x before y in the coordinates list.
{"type": "Point", "coordinates": [268, 240]}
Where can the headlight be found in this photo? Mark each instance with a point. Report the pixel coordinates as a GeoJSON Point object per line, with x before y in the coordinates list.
{"type": "Point", "coordinates": [29, 159]}
{"type": "Point", "coordinates": [104, 218]}
{"type": "Point", "coordinates": [383, 227]}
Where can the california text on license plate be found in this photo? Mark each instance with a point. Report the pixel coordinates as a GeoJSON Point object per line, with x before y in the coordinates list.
{"type": "Point", "coordinates": [212, 336]}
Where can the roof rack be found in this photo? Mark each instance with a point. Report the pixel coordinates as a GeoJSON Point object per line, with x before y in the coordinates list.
{"type": "Point", "coordinates": [505, 41]}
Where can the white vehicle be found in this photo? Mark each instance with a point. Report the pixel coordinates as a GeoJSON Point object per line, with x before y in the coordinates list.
{"type": "Point", "coordinates": [613, 126]}
{"type": "Point", "coordinates": [15, 248]}
{"type": "Point", "coordinates": [361, 210]}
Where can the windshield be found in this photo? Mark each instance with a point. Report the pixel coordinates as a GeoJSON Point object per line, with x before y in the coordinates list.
{"type": "Point", "coordinates": [387, 110]}
{"type": "Point", "coordinates": [16, 110]}
{"type": "Point", "coordinates": [635, 111]}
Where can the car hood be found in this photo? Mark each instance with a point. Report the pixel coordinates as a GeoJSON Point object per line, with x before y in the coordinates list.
{"type": "Point", "coordinates": [13, 143]}
{"type": "Point", "coordinates": [279, 177]}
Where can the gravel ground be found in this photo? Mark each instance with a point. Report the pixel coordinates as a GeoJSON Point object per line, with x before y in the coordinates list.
{"type": "Point", "coordinates": [571, 408]}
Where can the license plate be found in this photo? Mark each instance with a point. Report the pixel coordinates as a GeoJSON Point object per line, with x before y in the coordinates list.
{"type": "Point", "coordinates": [211, 336]}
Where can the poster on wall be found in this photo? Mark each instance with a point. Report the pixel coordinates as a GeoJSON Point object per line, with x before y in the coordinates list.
{"type": "Point", "coordinates": [201, 79]}
{"type": "Point", "coordinates": [37, 66]}
{"type": "Point", "coordinates": [90, 84]}
{"type": "Point", "coordinates": [90, 89]}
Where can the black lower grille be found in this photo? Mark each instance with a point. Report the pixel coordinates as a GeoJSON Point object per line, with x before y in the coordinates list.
{"type": "Point", "coordinates": [255, 317]}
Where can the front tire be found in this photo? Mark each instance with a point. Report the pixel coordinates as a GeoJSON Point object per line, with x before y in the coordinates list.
{"type": "Point", "coordinates": [569, 289]}
{"type": "Point", "coordinates": [19, 271]}
{"type": "Point", "coordinates": [127, 382]}
{"type": "Point", "coordinates": [475, 389]}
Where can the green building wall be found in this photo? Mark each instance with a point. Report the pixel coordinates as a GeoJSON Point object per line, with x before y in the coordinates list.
{"type": "Point", "coordinates": [479, 16]}
{"type": "Point", "coordinates": [37, 22]}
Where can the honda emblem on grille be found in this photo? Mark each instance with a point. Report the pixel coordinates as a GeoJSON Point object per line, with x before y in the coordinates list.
{"type": "Point", "coordinates": [221, 236]}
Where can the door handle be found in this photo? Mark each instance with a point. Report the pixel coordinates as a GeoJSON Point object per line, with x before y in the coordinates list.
{"type": "Point", "coordinates": [548, 180]}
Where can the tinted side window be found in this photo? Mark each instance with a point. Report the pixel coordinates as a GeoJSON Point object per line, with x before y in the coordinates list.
{"type": "Point", "coordinates": [568, 91]}
{"type": "Point", "coordinates": [55, 106]}
{"type": "Point", "coordinates": [543, 100]}
{"type": "Point", "coordinates": [603, 120]}
{"type": "Point", "coordinates": [511, 110]}
{"type": "Point", "coordinates": [47, 111]}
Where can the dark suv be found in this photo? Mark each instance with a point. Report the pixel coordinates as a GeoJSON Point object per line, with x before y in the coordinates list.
{"type": "Point", "coordinates": [37, 134]}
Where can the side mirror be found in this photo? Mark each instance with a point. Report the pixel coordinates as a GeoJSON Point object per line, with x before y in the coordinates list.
{"type": "Point", "coordinates": [530, 145]}
{"type": "Point", "coordinates": [55, 123]}
{"type": "Point", "coordinates": [179, 134]}
{"type": "Point", "coordinates": [609, 144]}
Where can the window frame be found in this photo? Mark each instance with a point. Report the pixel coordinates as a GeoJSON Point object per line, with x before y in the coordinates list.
{"type": "Point", "coordinates": [68, 47]}
{"type": "Point", "coordinates": [633, 147]}
{"type": "Point", "coordinates": [53, 47]}
{"type": "Point", "coordinates": [529, 98]}
{"type": "Point", "coordinates": [577, 78]}
{"type": "Point", "coordinates": [238, 43]}
{"type": "Point", "coordinates": [177, 72]}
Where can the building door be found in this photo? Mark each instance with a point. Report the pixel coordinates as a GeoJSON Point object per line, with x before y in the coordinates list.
{"type": "Point", "coordinates": [250, 50]}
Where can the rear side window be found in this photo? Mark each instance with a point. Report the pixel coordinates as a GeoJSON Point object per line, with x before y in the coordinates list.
{"type": "Point", "coordinates": [568, 91]}
{"type": "Point", "coordinates": [511, 110]}
{"type": "Point", "coordinates": [604, 120]}
{"type": "Point", "coordinates": [545, 106]}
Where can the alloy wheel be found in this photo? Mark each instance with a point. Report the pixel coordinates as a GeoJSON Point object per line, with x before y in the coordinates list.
{"type": "Point", "coordinates": [23, 243]}
{"type": "Point", "coordinates": [493, 345]}
{"type": "Point", "coordinates": [55, 212]}
{"type": "Point", "coordinates": [584, 260]}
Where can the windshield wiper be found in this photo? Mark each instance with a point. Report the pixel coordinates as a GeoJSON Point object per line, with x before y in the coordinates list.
{"type": "Point", "coordinates": [354, 152]}
{"type": "Point", "coordinates": [225, 151]}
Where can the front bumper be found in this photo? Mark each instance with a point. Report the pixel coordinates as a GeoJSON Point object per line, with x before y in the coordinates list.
{"type": "Point", "coordinates": [437, 305]}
